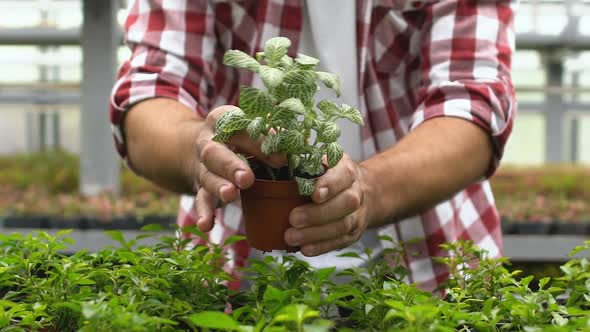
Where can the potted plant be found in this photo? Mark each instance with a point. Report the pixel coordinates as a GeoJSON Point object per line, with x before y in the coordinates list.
{"type": "Point", "coordinates": [287, 119]}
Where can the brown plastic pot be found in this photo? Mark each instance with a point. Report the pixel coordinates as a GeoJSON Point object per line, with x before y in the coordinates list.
{"type": "Point", "coordinates": [266, 206]}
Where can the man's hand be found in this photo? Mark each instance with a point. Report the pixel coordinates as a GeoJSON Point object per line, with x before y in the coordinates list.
{"type": "Point", "coordinates": [219, 172]}
{"type": "Point", "coordinates": [339, 215]}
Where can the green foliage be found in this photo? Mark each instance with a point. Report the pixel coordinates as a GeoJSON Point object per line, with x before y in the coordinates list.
{"type": "Point", "coordinates": [166, 288]}
{"type": "Point", "coordinates": [285, 114]}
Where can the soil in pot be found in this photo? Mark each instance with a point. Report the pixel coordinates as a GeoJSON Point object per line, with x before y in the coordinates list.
{"type": "Point", "coordinates": [266, 206]}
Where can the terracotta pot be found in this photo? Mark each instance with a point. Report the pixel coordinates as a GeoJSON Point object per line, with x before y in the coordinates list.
{"type": "Point", "coordinates": [266, 206]}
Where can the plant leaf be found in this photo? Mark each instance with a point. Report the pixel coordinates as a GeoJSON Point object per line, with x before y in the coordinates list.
{"type": "Point", "coordinates": [306, 186]}
{"type": "Point", "coordinates": [286, 61]}
{"type": "Point", "coordinates": [352, 114]}
{"type": "Point", "coordinates": [292, 141]}
{"type": "Point", "coordinates": [231, 121]}
{"type": "Point", "coordinates": [306, 60]}
{"type": "Point", "coordinates": [271, 77]}
{"type": "Point", "coordinates": [330, 80]}
{"type": "Point", "coordinates": [222, 137]}
{"type": "Point", "coordinates": [255, 102]}
{"type": "Point", "coordinates": [294, 161]}
{"type": "Point", "coordinates": [328, 107]}
{"type": "Point", "coordinates": [329, 133]}
{"type": "Point", "coordinates": [255, 128]}
{"type": "Point", "coordinates": [233, 239]}
{"type": "Point", "coordinates": [275, 49]}
{"type": "Point", "coordinates": [294, 105]}
{"type": "Point", "coordinates": [334, 152]}
{"type": "Point", "coordinates": [214, 320]}
{"type": "Point", "coordinates": [236, 58]}
{"type": "Point", "coordinates": [300, 76]}
{"type": "Point", "coordinates": [270, 144]}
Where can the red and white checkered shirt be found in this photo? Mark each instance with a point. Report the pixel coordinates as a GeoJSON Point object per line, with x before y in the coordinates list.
{"type": "Point", "coordinates": [416, 60]}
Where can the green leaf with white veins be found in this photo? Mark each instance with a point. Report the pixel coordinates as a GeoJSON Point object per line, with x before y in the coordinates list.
{"type": "Point", "coordinates": [299, 76]}
{"type": "Point", "coordinates": [231, 121]}
{"type": "Point", "coordinates": [329, 133]}
{"type": "Point", "coordinates": [306, 60]}
{"type": "Point", "coordinates": [275, 49]}
{"type": "Point", "coordinates": [294, 105]}
{"type": "Point", "coordinates": [271, 77]}
{"type": "Point", "coordinates": [306, 186]}
{"type": "Point", "coordinates": [292, 141]}
{"type": "Point", "coordinates": [328, 107]}
{"type": "Point", "coordinates": [255, 102]}
{"type": "Point", "coordinates": [330, 80]}
{"type": "Point", "coordinates": [255, 128]}
{"type": "Point", "coordinates": [270, 144]}
{"type": "Point", "coordinates": [236, 58]}
{"type": "Point", "coordinates": [334, 152]}
{"type": "Point", "coordinates": [352, 114]}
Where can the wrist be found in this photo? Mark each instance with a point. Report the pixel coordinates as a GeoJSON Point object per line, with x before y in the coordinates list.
{"type": "Point", "coordinates": [188, 136]}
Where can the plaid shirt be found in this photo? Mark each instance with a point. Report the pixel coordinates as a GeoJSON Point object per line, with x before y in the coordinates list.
{"type": "Point", "coordinates": [416, 60]}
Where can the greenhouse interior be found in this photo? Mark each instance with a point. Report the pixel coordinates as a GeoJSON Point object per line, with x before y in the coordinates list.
{"type": "Point", "coordinates": [89, 244]}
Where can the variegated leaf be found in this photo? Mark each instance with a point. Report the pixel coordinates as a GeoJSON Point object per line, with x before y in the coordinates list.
{"type": "Point", "coordinates": [275, 49]}
{"type": "Point", "coordinates": [281, 116]}
{"type": "Point", "coordinates": [334, 152]}
{"type": "Point", "coordinates": [260, 56]}
{"type": "Point", "coordinates": [302, 92]}
{"type": "Point", "coordinates": [352, 114]}
{"type": "Point", "coordinates": [328, 107]}
{"type": "Point", "coordinates": [255, 128]}
{"type": "Point", "coordinates": [330, 80]}
{"type": "Point", "coordinates": [306, 186]}
{"type": "Point", "coordinates": [236, 58]}
{"type": "Point", "coordinates": [313, 164]}
{"type": "Point", "coordinates": [292, 141]}
{"type": "Point", "coordinates": [255, 102]}
{"type": "Point", "coordinates": [329, 133]}
{"type": "Point", "coordinates": [270, 144]}
{"type": "Point", "coordinates": [231, 121]}
{"type": "Point", "coordinates": [300, 76]}
{"type": "Point", "coordinates": [294, 105]}
{"type": "Point", "coordinates": [271, 77]}
{"type": "Point", "coordinates": [294, 161]}
{"type": "Point", "coordinates": [312, 167]}
{"type": "Point", "coordinates": [221, 137]}
{"type": "Point", "coordinates": [287, 61]}
{"type": "Point", "coordinates": [306, 60]}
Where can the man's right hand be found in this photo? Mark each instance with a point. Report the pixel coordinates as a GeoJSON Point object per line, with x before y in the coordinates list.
{"type": "Point", "coordinates": [219, 172]}
{"type": "Point", "coordinates": [172, 145]}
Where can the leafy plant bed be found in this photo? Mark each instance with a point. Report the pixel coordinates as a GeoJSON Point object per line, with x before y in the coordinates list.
{"type": "Point", "coordinates": [166, 288]}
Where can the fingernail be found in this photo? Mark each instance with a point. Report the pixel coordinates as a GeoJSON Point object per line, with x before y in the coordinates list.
{"type": "Point", "coordinates": [298, 218]}
{"type": "Point", "coordinates": [222, 189]}
{"type": "Point", "coordinates": [295, 237]}
{"type": "Point", "coordinates": [323, 193]}
{"type": "Point", "coordinates": [239, 178]}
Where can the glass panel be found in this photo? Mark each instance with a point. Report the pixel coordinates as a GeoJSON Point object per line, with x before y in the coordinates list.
{"type": "Point", "coordinates": [584, 139]}
{"type": "Point", "coordinates": [526, 145]}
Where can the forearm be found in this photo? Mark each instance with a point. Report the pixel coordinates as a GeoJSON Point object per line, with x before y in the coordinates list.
{"type": "Point", "coordinates": [160, 136]}
{"type": "Point", "coordinates": [439, 158]}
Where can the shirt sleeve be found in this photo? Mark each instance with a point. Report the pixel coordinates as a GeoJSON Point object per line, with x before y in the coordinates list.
{"type": "Point", "coordinates": [466, 63]}
{"type": "Point", "coordinates": [173, 56]}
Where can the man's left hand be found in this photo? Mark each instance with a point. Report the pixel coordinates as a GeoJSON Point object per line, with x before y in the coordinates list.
{"type": "Point", "coordinates": [339, 215]}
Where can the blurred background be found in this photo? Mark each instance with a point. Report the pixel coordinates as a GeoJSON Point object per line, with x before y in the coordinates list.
{"type": "Point", "coordinates": [58, 166]}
